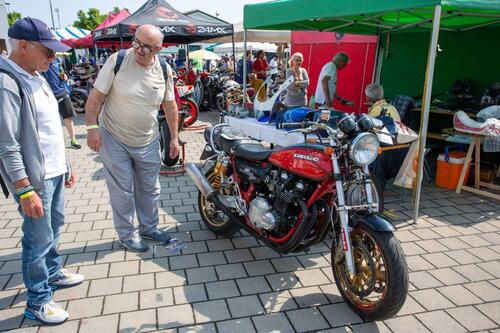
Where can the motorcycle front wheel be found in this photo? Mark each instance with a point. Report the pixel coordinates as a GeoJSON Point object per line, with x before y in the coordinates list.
{"type": "Point", "coordinates": [379, 287]}
{"type": "Point", "coordinates": [78, 103]}
{"type": "Point", "coordinates": [214, 219]}
{"type": "Point", "coordinates": [198, 92]}
{"type": "Point", "coordinates": [190, 108]}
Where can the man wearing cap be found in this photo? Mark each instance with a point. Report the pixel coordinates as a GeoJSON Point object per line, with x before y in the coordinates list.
{"type": "Point", "coordinates": [326, 89]}
{"type": "Point", "coordinates": [33, 163]}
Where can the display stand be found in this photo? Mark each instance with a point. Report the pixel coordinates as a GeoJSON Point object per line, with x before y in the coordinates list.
{"type": "Point", "coordinates": [476, 144]}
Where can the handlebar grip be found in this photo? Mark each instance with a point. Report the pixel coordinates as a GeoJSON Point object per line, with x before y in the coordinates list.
{"type": "Point", "coordinates": [303, 124]}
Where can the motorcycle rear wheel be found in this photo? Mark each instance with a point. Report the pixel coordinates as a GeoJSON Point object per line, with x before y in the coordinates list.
{"type": "Point", "coordinates": [198, 92]}
{"type": "Point", "coordinates": [380, 286]}
{"type": "Point", "coordinates": [214, 219]}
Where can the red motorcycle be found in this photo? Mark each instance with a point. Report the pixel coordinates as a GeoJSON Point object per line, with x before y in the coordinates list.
{"type": "Point", "coordinates": [292, 198]}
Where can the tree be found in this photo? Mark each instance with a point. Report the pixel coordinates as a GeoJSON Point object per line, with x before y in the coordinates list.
{"type": "Point", "coordinates": [117, 9]}
{"type": "Point", "coordinates": [13, 17]}
{"type": "Point", "coordinates": [89, 20]}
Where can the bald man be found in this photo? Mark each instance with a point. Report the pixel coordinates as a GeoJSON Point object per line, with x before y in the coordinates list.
{"type": "Point", "coordinates": [127, 136]}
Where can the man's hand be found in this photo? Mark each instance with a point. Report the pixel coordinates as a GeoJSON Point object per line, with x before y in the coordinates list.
{"type": "Point", "coordinates": [70, 182]}
{"type": "Point", "coordinates": [346, 102]}
{"type": "Point", "coordinates": [94, 139]}
{"type": "Point", "coordinates": [32, 206]}
{"type": "Point", "coordinates": [174, 148]}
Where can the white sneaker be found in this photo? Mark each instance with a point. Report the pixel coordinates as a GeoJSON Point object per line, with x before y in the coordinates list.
{"type": "Point", "coordinates": [50, 313]}
{"type": "Point", "coordinates": [67, 279]}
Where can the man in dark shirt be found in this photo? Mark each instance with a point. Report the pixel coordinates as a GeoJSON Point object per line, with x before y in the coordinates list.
{"type": "Point", "coordinates": [55, 77]}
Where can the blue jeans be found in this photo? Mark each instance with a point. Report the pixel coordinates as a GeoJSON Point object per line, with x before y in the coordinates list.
{"type": "Point", "coordinates": [41, 262]}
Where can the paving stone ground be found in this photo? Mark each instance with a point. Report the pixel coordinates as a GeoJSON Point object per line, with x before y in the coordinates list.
{"type": "Point", "coordinates": [236, 285]}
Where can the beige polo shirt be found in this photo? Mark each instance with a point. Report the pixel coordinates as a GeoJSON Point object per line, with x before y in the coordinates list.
{"type": "Point", "coordinates": [134, 95]}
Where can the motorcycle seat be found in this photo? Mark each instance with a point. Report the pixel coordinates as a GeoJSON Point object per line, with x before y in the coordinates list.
{"type": "Point", "coordinates": [252, 150]}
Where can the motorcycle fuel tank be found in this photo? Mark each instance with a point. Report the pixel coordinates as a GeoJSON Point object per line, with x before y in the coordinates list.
{"type": "Point", "coordinates": [306, 162]}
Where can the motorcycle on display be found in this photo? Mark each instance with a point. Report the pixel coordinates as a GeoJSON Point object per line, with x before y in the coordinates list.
{"type": "Point", "coordinates": [292, 198]}
{"type": "Point", "coordinates": [192, 78]}
{"type": "Point", "coordinates": [214, 85]}
{"type": "Point", "coordinates": [80, 82]}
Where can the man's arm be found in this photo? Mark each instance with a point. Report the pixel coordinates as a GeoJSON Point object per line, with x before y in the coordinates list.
{"type": "Point", "coordinates": [92, 109]}
{"type": "Point", "coordinates": [170, 109]}
{"type": "Point", "coordinates": [326, 90]}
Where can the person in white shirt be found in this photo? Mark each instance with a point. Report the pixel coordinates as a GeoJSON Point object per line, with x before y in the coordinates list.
{"type": "Point", "coordinates": [326, 89]}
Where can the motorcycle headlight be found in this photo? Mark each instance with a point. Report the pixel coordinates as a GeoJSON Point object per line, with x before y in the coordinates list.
{"type": "Point", "coordinates": [364, 149]}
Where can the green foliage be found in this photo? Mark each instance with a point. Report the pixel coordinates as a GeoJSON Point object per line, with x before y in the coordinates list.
{"type": "Point", "coordinates": [89, 20]}
{"type": "Point", "coordinates": [117, 9]}
{"type": "Point", "coordinates": [13, 17]}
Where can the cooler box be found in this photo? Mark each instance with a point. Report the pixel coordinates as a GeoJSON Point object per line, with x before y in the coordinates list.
{"type": "Point", "coordinates": [449, 169]}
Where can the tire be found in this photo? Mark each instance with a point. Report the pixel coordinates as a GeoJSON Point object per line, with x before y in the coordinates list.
{"type": "Point", "coordinates": [189, 106]}
{"type": "Point", "coordinates": [165, 145]}
{"type": "Point", "coordinates": [225, 227]}
{"type": "Point", "coordinates": [395, 275]}
{"type": "Point", "coordinates": [198, 92]}
{"type": "Point", "coordinates": [78, 103]}
{"type": "Point", "coordinates": [220, 103]}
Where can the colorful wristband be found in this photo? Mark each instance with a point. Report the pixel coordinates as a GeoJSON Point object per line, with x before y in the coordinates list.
{"type": "Point", "coordinates": [89, 127]}
{"type": "Point", "coordinates": [23, 190]}
{"type": "Point", "coordinates": [27, 194]}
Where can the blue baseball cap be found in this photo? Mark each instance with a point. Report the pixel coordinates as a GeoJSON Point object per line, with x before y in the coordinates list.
{"type": "Point", "coordinates": [35, 30]}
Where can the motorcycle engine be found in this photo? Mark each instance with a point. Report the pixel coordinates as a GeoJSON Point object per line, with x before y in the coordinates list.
{"type": "Point", "coordinates": [261, 214]}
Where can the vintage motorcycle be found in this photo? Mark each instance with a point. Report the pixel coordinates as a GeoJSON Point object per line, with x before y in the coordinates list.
{"type": "Point", "coordinates": [292, 198]}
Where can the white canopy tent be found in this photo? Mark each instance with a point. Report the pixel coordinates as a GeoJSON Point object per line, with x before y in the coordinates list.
{"type": "Point", "coordinates": [267, 36]}
{"type": "Point", "coordinates": [240, 47]}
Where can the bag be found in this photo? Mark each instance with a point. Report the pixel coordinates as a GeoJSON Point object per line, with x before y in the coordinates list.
{"type": "Point", "coordinates": [21, 95]}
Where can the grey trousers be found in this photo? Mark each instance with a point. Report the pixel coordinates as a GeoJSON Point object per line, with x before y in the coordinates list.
{"type": "Point", "coordinates": [132, 177]}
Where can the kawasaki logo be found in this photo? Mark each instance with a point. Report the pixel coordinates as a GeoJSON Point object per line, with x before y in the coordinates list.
{"type": "Point", "coordinates": [306, 157]}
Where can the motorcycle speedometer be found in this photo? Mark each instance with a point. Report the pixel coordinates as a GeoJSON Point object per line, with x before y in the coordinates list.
{"type": "Point", "coordinates": [364, 149]}
{"type": "Point", "coordinates": [346, 124]}
{"type": "Point", "coordinates": [364, 122]}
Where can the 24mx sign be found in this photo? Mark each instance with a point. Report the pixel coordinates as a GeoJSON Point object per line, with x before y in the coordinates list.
{"type": "Point", "coordinates": [211, 30]}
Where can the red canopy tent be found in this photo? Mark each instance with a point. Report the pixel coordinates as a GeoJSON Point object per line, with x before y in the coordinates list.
{"type": "Point", "coordinates": [87, 41]}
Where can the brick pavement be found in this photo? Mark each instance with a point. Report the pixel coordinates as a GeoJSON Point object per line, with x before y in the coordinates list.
{"type": "Point", "coordinates": [235, 285]}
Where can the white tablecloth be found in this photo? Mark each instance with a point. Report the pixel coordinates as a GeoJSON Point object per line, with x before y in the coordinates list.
{"type": "Point", "coordinates": [264, 132]}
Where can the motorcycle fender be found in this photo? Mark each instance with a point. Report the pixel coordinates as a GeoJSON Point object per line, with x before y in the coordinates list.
{"type": "Point", "coordinates": [374, 221]}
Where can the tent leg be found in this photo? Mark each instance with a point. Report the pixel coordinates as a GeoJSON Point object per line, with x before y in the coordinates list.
{"type": "Point", "coordinates": [245, 74]}
{"type": "Point", "coordinates": [426, 102]}
{"type": "Point", "coordinates": [234, 54]}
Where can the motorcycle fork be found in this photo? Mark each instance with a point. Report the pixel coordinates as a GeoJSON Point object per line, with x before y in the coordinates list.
{"type": "Point", "coordinates": [344, 217]}
{"type": "Point", "coordinates": [373, 207]}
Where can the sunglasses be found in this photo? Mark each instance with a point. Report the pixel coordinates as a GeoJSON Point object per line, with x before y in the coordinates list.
{"type": "Point", "coordinates": [50, 53]}
{"type": "Point", "coordinates": [146, 49]}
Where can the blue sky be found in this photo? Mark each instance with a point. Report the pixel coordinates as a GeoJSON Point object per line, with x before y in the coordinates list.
{"type": "Point", "coordinates": [229, 10]}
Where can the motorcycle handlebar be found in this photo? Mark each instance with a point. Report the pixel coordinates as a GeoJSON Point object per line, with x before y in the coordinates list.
{"type": "Point", "coordinates": [303, 124]}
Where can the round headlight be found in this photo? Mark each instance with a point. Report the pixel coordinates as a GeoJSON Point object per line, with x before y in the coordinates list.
{"type": "Point", "coordinates": [364, 149]}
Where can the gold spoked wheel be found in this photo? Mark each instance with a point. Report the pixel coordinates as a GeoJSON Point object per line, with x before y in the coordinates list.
{"type": "Point", "coordinates": [367, 287]}
{"type": "Point", "coordinates": [378, 288]}
{"type": "Point", "coordinates": [214, 218]}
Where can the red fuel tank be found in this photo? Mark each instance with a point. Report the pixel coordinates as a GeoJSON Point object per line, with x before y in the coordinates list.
{"type": "Point", "coordinates": [307, 162]}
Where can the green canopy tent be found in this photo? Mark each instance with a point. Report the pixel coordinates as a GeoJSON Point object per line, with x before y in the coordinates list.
{"type": "Point", "coordinates": [381, 18]}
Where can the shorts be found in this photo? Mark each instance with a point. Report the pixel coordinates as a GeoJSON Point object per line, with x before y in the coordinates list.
{"type": "Point", "coordinates": [66, 109]}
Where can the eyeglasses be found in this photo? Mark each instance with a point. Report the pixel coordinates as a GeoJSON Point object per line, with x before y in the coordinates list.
{"type": "Point", "coordinates": [145, 48]}
{"type": "Point", "coordinates": [50, 53]}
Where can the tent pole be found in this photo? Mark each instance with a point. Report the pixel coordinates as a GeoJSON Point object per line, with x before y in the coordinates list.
{"type": "Point", "coordinates": [429, 76]}
{"type": "Point", "coordinates": [234, 53]}
{"type": "Point", "coordinates": [245, 74]}
{"type": "Point", "coordinates": [377, 50]}
{"type": "Point", "coordinates": [187, 58]}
